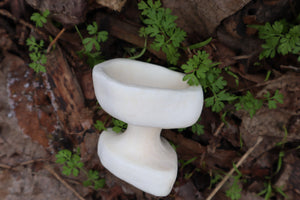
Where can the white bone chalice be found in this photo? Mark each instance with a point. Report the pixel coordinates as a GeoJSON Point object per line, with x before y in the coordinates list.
{"type": "Point", "coordinates": [148, 97]}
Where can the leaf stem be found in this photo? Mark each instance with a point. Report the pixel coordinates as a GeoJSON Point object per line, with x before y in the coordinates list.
{"type": "Point", "coordinates": [55, 39]}
{"type": "Point", "coordinates": [141, 53]}
{"type": "Point", "coordinates": [78, 32]}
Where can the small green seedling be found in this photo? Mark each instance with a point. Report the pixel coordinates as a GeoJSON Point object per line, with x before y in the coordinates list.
{"type": "Point", "coordinates": [93, 178]}
{"type": "Point", "coordinates": [118, 125]}
{"type": "Point", "coordinates": [37, 54]}
{"type": "Point", "coordinates": [184, 163]}
{"type": "Point", "coordinates": [216, 177]}
{"type": "Point", "coordinates": [196, 128]}
{"type": "Point", "coordinates": [99, 125]}
{"type": "Point", "coordinates": [200, 70]}
{"type": "Point", "coordinates": [249, 103]}
{"type": "Point", "coordinates": [91, 45]}
{"type": "Point", "coordinates": [217, 101]}
{"type": "Point", "coordinates": [97, 37]}
{"type": "Point", "coordinates": [234, 191]}
{"type": "Point", "coordinates": [280, 37]}
{"type": "Point", "coordinates": [281, 154]}
{"type": "Point", "coordinates": [71, 162]}
{"type": "Point", "coordinates": [160, 25]}
{"type": "Point", "coordinates": [187, 162]}
{"type": "Point", "coordinates": [274, 100]}
{"type": "Point", "coordinates": [73, 166]}
{"type": "Point", "coordinates": [267, 191]}
{"type": "Point", "coordinates": [270, 191]}
{"type": "Point", "coordinates": [40, 19]}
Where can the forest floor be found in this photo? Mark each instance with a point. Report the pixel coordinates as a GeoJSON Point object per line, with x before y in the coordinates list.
{"type": "Point", "coordinates": [42, 113]}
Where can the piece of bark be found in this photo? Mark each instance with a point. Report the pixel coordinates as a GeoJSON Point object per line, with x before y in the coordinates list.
{"type": "Point", "coordinates": [201, 17]}
{"type": "Point", "coordinates": [5, 42]}
{"type": "Point", "coordinates": [86, 82]}
{"type": "Point", "coordinates": [116, 5]}
{"type": "Point", "coordinates": [28, 100]}
{"type": "Point", "coordinates": [185, 146]}
{"type": "Point", "coordinates": [65, 12]}
{"type": "Point", "coordinates": [66, 95]}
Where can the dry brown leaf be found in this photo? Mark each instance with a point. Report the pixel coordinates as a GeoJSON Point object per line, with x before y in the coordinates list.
{"type": "Point", "coordinates": [203, 16]}
{"type": "Point", "coordinates": [270, 122]}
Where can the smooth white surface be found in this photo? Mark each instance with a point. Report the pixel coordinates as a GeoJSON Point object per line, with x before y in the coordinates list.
{"type": "Point", "coordinates": [140, 157]}
{"type": "Point", "coordinates": [148, 97]}
{"type": "Point", "coordinates": [145, 94]}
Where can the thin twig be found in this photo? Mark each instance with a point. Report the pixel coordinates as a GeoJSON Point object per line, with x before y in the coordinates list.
{"type": "Point", "coordinates": [21, 21]}
{"type": "Point", "coordinates": [55, 39]}
{"type": "Point", "coordinates": [256, 85]}
{"type": "Point", "coordinates": [5, 166]}
{"type": "Point", "coordinates": [49, 169]}
{"type": "Point", "coordinates": [212, 194]}
{"type": "Point", "coordinates": [242, 57]}
{"type": "Point", "coordinates": [32, 161]}
{"type": "Point", "coordinates": [290, 67]}
{"type": "Point", "coordinates": [219, 129]}
{"type": "Point", "coordinates": [22, 163]}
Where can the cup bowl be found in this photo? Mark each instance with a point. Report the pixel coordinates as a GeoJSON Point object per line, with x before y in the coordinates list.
{"type": "Point", "coordinates": [145, 94]}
